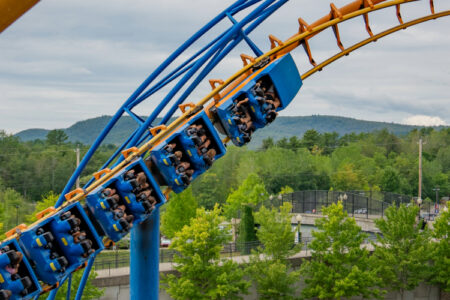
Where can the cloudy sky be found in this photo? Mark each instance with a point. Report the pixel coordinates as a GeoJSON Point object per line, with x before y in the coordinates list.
{"type": "Point", "coordinates": [66, 61]}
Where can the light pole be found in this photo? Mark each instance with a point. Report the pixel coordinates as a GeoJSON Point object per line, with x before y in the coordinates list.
{"type": "Point", "coordinates": [298, 217]}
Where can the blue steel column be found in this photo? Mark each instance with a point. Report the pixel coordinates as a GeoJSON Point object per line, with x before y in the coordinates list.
{"type": "Point", "coordinates": [144, 259]}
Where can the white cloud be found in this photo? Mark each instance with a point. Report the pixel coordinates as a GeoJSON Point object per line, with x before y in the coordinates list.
{"type": "Point", "coordinates": [423, 120]}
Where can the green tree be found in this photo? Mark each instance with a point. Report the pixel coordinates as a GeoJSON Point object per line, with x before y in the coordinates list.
{"type": "Point", "coordinates": [310, 139]}
{"type": "Point", "coordinates": [90, 291]}
{"type": "Point", "coordinates": [275, 231]}
{"type": "Point", "coordinates": [202, 274]}
{"type": "Point", "coordinates": [251, 191]}
{"type": "Point", "coordinates": [347, 178]}
{"type": "Point", "coordinates": [329, 142]}
{"type": "Point", "coordinates": [390, 180]}
{"type": "Point", "coordinates": [274, 278]}
{"type": "Point", "coordinates": [56, 137]}
{"type": "Point", "coordinates": [246, 229]}
{"type": "Point", "coordinates": [178, 212]}
{"type": "Point", "coordinates": [440, 269]}
{"type": "Point", "coordinates": [268, 143]}
{"type": "Point", "coordinates": [339, 266]}
{"type": "Point", "coordinates": [13, 206]}
{"type": "Point", "coordinates": [207, 191]}
{"type": "Point", "coordinates": [269, 266]}
{"type": "Point", "coordinates": [48, 200]}
{"type": "Point", "coordinates": [402, 250]}
{"type": "Point", "coordinates": [286, 190]}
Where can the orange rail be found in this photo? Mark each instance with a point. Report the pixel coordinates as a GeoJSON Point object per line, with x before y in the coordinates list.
{"type": "Point", "coordinates": [11, 10]}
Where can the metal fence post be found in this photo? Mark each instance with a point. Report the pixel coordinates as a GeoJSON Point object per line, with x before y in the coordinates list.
{"type": "Point", "coordinates": [315, 201]}
{"type": "Point", "coordinates": [353, 205]}
{"type": "Point", "coordinates": [367, 207]}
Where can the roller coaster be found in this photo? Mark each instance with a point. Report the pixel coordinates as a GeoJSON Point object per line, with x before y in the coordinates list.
{"type": "Point", "coordinates": [156, 159]}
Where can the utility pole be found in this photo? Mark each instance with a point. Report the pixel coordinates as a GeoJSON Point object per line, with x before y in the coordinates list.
{"type": "Point", "coordinates": [78, 163]}
{"type": "Point", "coordinates": [420, 169]}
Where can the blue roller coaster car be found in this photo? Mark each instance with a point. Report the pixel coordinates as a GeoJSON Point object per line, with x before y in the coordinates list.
{"type": "Point", "coordinates": [256, 102]}
{"type": "Point", "coordinates": [17, 279]}
{"type": "Point", "coordinates": [127, 198]}
{"type": "Point", "coordinates": [60, 244]}
{"type": "Point", "coordinates": [187, 153]}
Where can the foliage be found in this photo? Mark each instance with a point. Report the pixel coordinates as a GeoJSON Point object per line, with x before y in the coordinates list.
{"type": "Point", "coordinates": [35, 168]}
{"type": "Point", "coordinates": [269, 267]}
{"type": "Point", "coordinates": [203, 275]}
{"type": "Point", "coordinates": [246, 229]}
{"type": "Point", "coordinates": [339, 266]}
{"type": "Point", "coordinates": [347, 178]}
{"type": "Point", "coordinates": [273, 278]}
{"type": "Point", "coordinates": [390, 180]}
{"type": "Point", "coordinates": [402, 250]}
{"type": "Point", "coordinates": [12, 208]}
{"type": "Point", "coordinates": [56, 137]}
{"type": "Point", "coordinates": [178, 212]}
{"type": "Point", "coordinates": [48, 200]}
{"type": "Point", "coordinates": [275, 231]}
{"type": "Point", "coordinates": [440, 274]}
{"type": "Point", "coordinates": [286, 190]}
{"type": "Point", "coordinates": [251, 191]}
{"type": "Point", "coordinates": [90, 290]}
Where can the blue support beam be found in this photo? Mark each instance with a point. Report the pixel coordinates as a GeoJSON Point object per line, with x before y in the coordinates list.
{"type": "Point", "coordinates": [144, 259]}
{"type": "Point", "coordinates": [84, 278]}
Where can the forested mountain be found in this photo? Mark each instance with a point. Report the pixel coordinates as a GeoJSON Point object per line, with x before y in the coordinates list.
{"type": "Point", "coordinates": [86, 131]}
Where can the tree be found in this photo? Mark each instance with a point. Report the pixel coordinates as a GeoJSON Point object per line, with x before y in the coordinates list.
{"type": "Point", "coordinates": [390, 180]}
{"type": "Point", "coordinates": [207, 191]}
{"type": "Point", "coordinates": [311, 138]}
{"type": "Point", "coordinates": [275, 231]}
{"type": "Point", "coordinates": [268, 143]}
{"type": "Point", "coordinates": [251, 191]}
{"type": "Point", "coordinates": [329, 142]}
{"type": "Point", "coordinates": [402, 249]}
{"type": "Point", "coordinates": [339, 266]}
{"type": "Point", "coordinates": [90, 291]}
{"type": "Point", "coordinates": [246, 229]}
{"type": "Point", "coordinates": [440, 269]}
{"type": "Point", "coordinates": [56, 137]}
{"type": "Point", "coordinates": [202, 274]}
{"type": "Point", "coordinates": [178, 212]}
{"type": "Point", "coordinates": [286, 190]}
{"type": "Point", "coordinates": [12, 205]}
{"type": "Point", "coordinates": [269, 266]}
{"type": "Point", "coordinates": [347, 178]}
{"type": "Point", "coordinates": [273, 278]}
{"type": "Point", "coordinates": [48, 200]}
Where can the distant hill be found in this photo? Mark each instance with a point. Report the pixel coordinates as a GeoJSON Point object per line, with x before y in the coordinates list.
{"type": "Point", "coordinates": [86, 131]}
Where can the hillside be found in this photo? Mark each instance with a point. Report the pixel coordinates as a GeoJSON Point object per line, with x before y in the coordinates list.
{"type": "Point", "coordinates": [86, 131]}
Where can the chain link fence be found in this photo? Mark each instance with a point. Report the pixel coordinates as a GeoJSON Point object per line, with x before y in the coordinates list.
{"type": "Point", "coordinates": [361, 204]}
